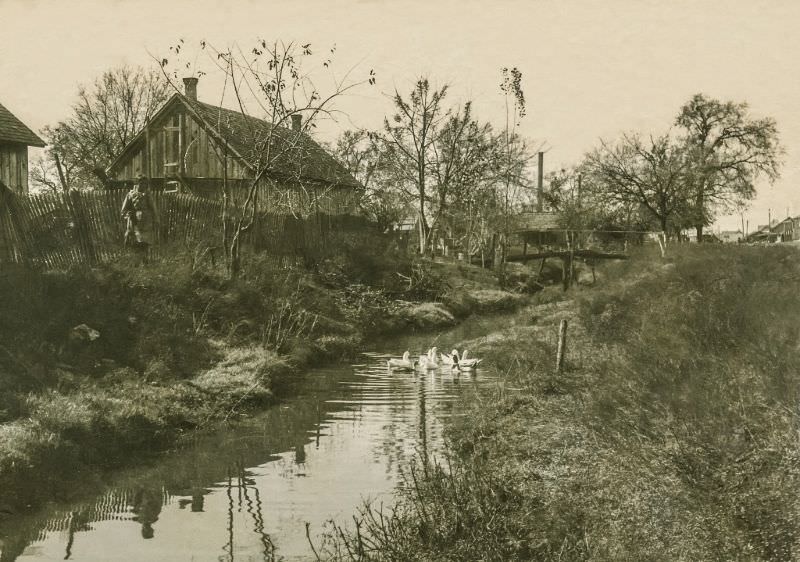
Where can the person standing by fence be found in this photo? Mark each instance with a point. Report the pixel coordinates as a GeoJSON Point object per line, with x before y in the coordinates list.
{"type": "Point", "coordinates": [140, 216]}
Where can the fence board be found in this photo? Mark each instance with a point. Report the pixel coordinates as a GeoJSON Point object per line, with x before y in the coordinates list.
{"type": "Point", "coordinates": [57, 230]}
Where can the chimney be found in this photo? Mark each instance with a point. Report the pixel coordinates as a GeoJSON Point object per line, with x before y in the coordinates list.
{"type": "Point", "coordinates": [297, 122]}
{"type": "Point", "coordinates": [190, 88]}
{"type": "Point", "coordinates": [540, 185]}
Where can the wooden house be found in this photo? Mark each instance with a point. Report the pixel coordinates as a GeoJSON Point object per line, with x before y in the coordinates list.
{"type": "Point", "coordinates": [787, 230]}
{"type": "Point", "coordinates": [15, 138]}
{"type": "Point", "coordinates": [194, 147]}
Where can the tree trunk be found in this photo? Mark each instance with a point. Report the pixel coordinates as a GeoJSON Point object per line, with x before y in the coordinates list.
{"type": "Point", "coordinates": [701, 215]}
{"type": "Point", "coordinates": [235, 263]}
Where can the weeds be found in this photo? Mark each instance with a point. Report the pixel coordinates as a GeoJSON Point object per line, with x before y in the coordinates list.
{"type": "Point", "coordinates": [286, 324]}
{"type": "Point", "coordinates": [673, 437]}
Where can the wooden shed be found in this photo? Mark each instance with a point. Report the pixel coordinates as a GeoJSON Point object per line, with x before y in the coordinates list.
{"type": "Point", "coordinates": [191, 146]}
{"type": "Point", "coordinates": [540, 229]}
{"type": "Point", "coordinates": [15, 138]}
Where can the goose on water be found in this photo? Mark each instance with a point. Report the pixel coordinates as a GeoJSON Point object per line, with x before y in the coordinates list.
{"type": "Point", "coordinates": [450, 360]}
{"type": "Point", "coordinates": [402, 364]}
{"type": "Point", "coordinates": [429, 361]}
{"type": "Point", "coordinates": [463, 363]}
{"type": "Point", "coordinates": [433, 358]}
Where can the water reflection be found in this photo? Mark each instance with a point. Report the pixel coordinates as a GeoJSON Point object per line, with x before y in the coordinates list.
{"type": "Point", "coordinates": [248, 492]}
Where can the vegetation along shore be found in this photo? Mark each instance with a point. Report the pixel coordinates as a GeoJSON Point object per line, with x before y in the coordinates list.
{"type": "Point", "coordinates": [99, 364]}
{"type": "Point", "coordinates": [671, 434]}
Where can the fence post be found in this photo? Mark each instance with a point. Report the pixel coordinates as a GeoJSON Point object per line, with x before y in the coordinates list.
{"type": "Point", "coordinates": [562, 345]}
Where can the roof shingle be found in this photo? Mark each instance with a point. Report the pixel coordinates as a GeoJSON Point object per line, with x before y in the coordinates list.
{"type": "Point", "coordinates": [296, 154]}
{"type": "Point", "coordinates": [14, 130]}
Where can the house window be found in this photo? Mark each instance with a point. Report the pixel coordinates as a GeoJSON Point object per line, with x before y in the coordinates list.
{"type": "Point", "coordinates": [172, 152]}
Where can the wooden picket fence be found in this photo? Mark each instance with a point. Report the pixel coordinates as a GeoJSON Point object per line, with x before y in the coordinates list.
{"type": "Point", "coordinates": [57, 230]}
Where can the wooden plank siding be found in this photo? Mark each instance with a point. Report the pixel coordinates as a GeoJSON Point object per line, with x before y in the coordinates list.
{"type": "Point", "coordinates": [179, 143]}
{"type": "Point", "coordinates": [14, 166]}
{"type": "Point", "coordinates": [178, 137]}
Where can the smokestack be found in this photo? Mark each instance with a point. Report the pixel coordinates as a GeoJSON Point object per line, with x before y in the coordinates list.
{"type": "Point", "coordinates": [190, 88]}
{"type": "Point", "coordinates": [297, 122]}
{"type": "Point", "coordinates": [540, 185]}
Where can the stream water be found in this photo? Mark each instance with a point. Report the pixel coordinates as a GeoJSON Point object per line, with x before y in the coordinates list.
{"type": "Point", "coordinates": [246, 491]}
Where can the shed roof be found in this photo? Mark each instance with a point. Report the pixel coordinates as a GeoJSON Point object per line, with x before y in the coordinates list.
{"type": "Point", "coordinates": [14, 130]}
{"type": "Point", "coordinates": [537, 222]}
{"type": "Point", "coordinates": [298, 155]}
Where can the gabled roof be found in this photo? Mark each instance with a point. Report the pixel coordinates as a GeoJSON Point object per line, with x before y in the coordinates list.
{"type": "Point", "coordinates": [298, 155]}
{"type": "Point", "coordinates": [537, 222]}
{"type": "Point", "coordinates": [14, 130]}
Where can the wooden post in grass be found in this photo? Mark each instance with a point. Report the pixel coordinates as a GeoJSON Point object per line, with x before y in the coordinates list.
{"type": "Point", "coordinates": [562, 345]}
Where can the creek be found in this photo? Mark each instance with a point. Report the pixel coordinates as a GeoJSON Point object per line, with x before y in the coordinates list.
{"type": "Point", "coordinates": [246, 491]}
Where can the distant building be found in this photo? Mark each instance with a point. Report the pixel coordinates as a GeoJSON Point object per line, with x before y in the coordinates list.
{"type": "Point", "coordinates": [731, 236]}
{"type": "Point", "coordinates": [540, 229]}
{"type": "Point", "coordinates": [15, 138]}
{"type": "Point", "coordinates": [787, 230]}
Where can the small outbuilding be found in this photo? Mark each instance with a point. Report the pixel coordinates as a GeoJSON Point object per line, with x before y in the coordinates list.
{"type": "Point", "coordinates": [15, 138]}
{"type": "Point", "coordinates": [540, 229]}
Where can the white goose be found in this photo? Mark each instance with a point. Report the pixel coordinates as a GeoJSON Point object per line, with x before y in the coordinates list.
{"type": "Point", "coordinates": [402, 364]}
{"type": "Point", "coordinates": [465, 364]}
{"type": "Point", "coordinates": [433, 358]}
{"type": "Point", "coordinates": [422, 363]}
{"type": "Point", "coordinates": [450, 360]}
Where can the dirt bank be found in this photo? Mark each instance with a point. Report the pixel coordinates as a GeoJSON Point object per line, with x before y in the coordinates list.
{"type": "Point", "coordinates": [100, 364]}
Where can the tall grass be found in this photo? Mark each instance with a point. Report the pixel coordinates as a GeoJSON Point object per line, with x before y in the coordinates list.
{"type": "Point", "coordinates": [673, 438]}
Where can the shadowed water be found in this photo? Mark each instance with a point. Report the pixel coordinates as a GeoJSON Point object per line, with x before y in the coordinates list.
{"type": "Point", "coordinates": [247, 492]}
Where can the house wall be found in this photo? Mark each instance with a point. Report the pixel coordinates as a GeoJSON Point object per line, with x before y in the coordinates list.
{"type": "Point", "coordinates": [787, 230]}
{"type": "Point", "coordinates": [14, 166]}
{"type": "Point", "coordinates": [177, 143]}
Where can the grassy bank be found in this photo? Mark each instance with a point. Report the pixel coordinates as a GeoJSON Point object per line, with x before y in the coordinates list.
{"type": "Point", "coordinates": [671, 435]}
{"type": "Point", "coordinates": [97, 365]}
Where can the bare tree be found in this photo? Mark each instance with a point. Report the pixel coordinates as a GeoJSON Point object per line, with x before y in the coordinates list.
{"type": "Point", "coordinates": [514, 161]}
{"type": "Point", "coordinates": [464, 161]}
{"type": "Point", "coordinates": [409, 144]}
{"type": "Point", "coordinates": [728, 151]}
{"type": "Point", "coordinates": [650, 173]}
{"type": "Point", "coordinates": [384, 199]}
{"type": "Point", "coordinates": [268, 82]}
{"type": "Point", "coordinates": [105, 117]}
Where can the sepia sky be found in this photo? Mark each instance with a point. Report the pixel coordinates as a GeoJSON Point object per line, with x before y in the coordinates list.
{"type": "Point", "coordinates": [590, 68]}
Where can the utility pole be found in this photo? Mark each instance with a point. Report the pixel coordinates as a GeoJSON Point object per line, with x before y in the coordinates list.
{"type": "Point", "coordinates": [540, 185]}
{"type": "Point", "coordinates": [769, 225]}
